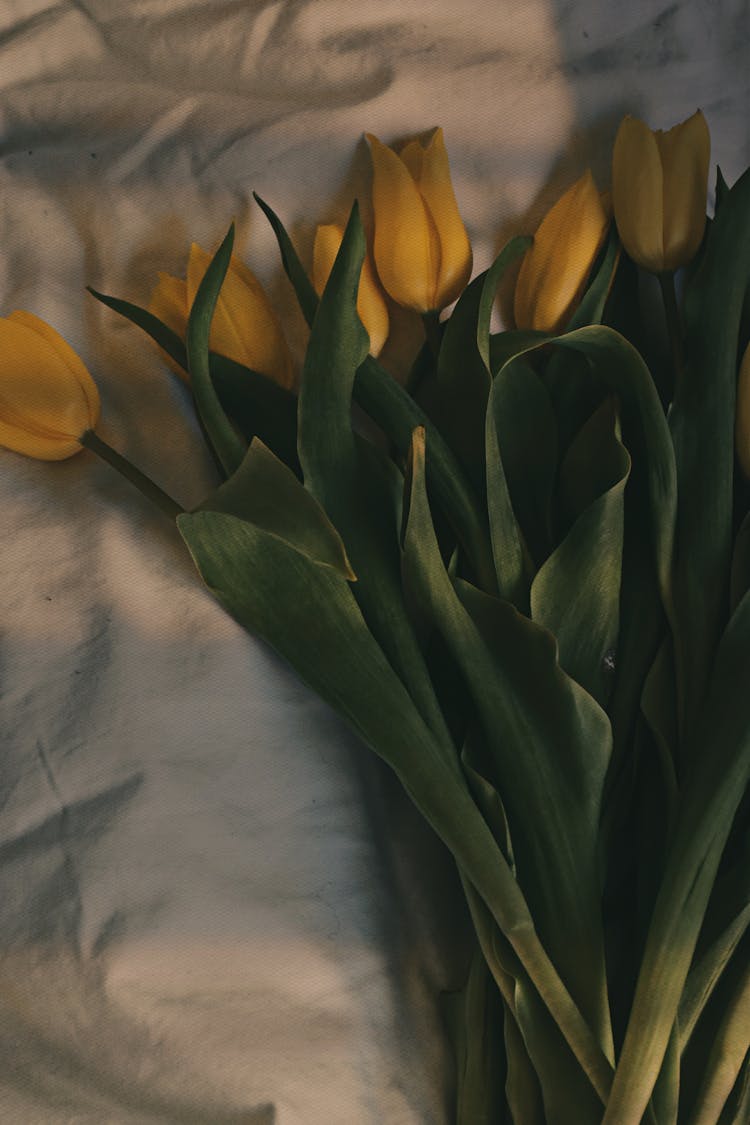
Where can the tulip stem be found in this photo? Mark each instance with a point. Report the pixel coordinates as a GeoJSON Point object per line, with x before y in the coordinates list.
{"type": "Point", "coordinates": [674, 321]}
{"type": "Point", "coordinates": [433, 331]}
{"type": "Point", "coordinates": [143, 483]}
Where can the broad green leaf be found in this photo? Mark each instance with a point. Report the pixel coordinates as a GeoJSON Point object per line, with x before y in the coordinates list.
{"type": "Point", "coordinates": [576, 593]}
{"type": "Point", "coordinates": [355, 484]}
{"type": "Point", "coordinates": [505, 345]}
{"type": "Point", "coordinates": [728, 1053]}
{"type": "Point", "coordinates": [702, 424]}
{"type": "Point", "coordinates": [590, 309]}
{"type": "Point", "coordinates": [726, 922]}
{"type": "Point", "coordinates": [475, 1016]}
{"type": "Point", "coordinates": [308, 613]}
{"type": "Point", "coordinates": [393, 409]}
{"type": "Point", "coordinates": [475, 766]}
{"type": "Point", "coordinates": [513, 563]}
{"type": "Point", "coordinates": [463, 367]}
{"type": "Point", "coordinates": [666, 1096]}
{"type": "Point", "coordinates": [264, 491]}
{"type": "Point", "coordinates": [739, 582]}
{"type": "Point", "coordinates": [713, 789]}
{"type": "Point", "coordinates": [659, 707]}
{"type": "Point", "coordinates": [569, 382]}
{"type": "Point", "coordinates": [256, 404]}
{"type": "Point", "coordinates": [227, 445]}
{"type": "Point", "coordinates": [521, 1084]}
{"type": "Point", "coordinates": [549, 763]}
{"type": "Point", "coordinates": [526, 441]}
{"type": "Point", "coordinates": [594, 462]}
{"type": "Point", "coordinates": [510, 253]}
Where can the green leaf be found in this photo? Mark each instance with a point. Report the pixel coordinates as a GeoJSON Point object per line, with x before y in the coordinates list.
{"type": "Point", "coordinates": [548, 764]}
{"type": "Point", "coordinates": [576, 594]}
{"type": "Point", "coordinates": [722, 189]}
{"type": "Point", "coordinates": [228, 447]}
{"type": "Point", "coordinates": [355, 483]}
{"type": "Point", "coordinates": [726, 921]}
{"type": "Point", "coordinates": [525, 441]}
{"type": "Point", "coordinates": [713, 789]}
{"type": "Point", "coordinates": [739, 582]}
{"type": "Point", "coordinates": [256, 404]}
{"type": "Point", "coordinates": [475, 1023]}
{"type": "Point", "coordinates": [463, 367]}
{"type": "Point", "coordinates": [394, 410]}
{"type": "Point", "coordinates": [590, 309]}
{"type": "Point", "coordinates": [265, 492]}
{"type": "Point", "coordinates": [295, 271]}
{"type": "Point", "coordinates": [317, 626]}
{"type": "Point", "coordinates": [505, 345]}
{"type": "Point", "coordinates": [728, 1053]}
{"type": "Point", "coordinates": [702, 423]}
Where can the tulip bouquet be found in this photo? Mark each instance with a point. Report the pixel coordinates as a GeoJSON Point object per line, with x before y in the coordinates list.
{"type": "Point", "coordinates": [523, 577]}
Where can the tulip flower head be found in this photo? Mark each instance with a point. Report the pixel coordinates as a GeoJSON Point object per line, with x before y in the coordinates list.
{"type": "Point", "coordinates": [48, 399]}
{"type": "Point", "coordinates": [371, 306]}
{"type": "Point", "coordinates": [555, 269]}
{"type": "Point", "coordinates": [421, 249]}
{"type": "Point", "coordinates": [244, 327]}
{"type": "Point", "coordinates": [659, 189]}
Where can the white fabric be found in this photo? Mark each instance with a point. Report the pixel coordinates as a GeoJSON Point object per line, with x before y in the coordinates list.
{"type": "Point", "coordinates": [207, 914]}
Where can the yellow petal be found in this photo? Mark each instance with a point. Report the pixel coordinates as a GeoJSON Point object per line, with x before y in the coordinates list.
{"type": "Point", "coordinates": [637, 193]}
{"type": "Point", "coordinates": [742, 425]}
{"type": "Point", "coordinates": [47, 398]}
{"type": "Point", "coordinates": [244, 327]}
{"type": "Point", "coordinates": [169, 302]}
{"type": "Point", "coordinates": [412, 155]}
{"type": "Point", "coordinates": [685, 151]}
{"type": "Point", "coordinates": [434, 183]}
{"type": "Point", "coordinates": [404, 246]}
{"type": "Point", "coordinates": [556, 267]}
{"type": "Point", "coordinates": [71, 359]}
{"type": "Point", "coordinates": [371, 306]}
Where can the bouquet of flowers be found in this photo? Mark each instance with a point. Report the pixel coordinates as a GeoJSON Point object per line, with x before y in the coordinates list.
{"type": "Point", "coordinates": [521, 574]}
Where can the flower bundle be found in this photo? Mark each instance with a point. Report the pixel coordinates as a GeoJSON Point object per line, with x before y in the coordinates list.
{"type": "Point", "coordinates": [524, 580]}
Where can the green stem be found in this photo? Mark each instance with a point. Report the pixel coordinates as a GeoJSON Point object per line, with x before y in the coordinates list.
{"type": "Point", "coordinates": [674, 322]}
{"type": "Point", "coordinates": [433, 331]}
{"type": "Point", "coordinates": [143, 483]}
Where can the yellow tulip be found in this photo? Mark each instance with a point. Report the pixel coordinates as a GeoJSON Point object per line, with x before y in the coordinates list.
{"type": "Point", "coordinates": [659, 188]}
{"type": "Point", "coordinates": [371, 306]}
{"type": "Point", "coordinates": [244, 327]}
{"type": "Point", "coordinates": [48, 400]}
{"type": "Point", "coordinates": [422, 252]}
{"type": "Point", "coordinates": [554, 271]}
{"type": "Point", "coordinates": [742, 424]}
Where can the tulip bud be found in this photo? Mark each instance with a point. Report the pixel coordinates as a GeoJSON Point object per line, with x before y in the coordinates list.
{"type": "Point", "coordinates": [659, 189]}
{"type": "Point", "coordinates": [422, 252]}
{"type": "Point", "coordinates": [742, 423]}
{"type": "Point", "coordinates": [244, 327]}
{"type": "Point", "coordinates": [48, 400]}
{"type": "Point", "coordinates": [554, 271]}
{"type": "Point", "coordinates": [371, 306]}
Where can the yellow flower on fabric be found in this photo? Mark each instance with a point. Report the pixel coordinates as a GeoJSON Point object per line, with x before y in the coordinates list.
{"type": "Point", "coordinates": [371, 306]}
{"type": "Point", "coordinates": [421, 248]}
{"type": "Point", "coordinates": [48, 399]}
{"type": "Point", "coordinates": [659, 189]}
{"type": "Point", "coordinates": [554, 271]}
{"type": "Point", "coordinates": [244, 328]}
{"type": "Point", "coordinates": [742, 424]}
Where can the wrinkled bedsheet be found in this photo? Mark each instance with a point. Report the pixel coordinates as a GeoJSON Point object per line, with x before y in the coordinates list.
{"type": "Point", "coordinates": [215, 907]}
